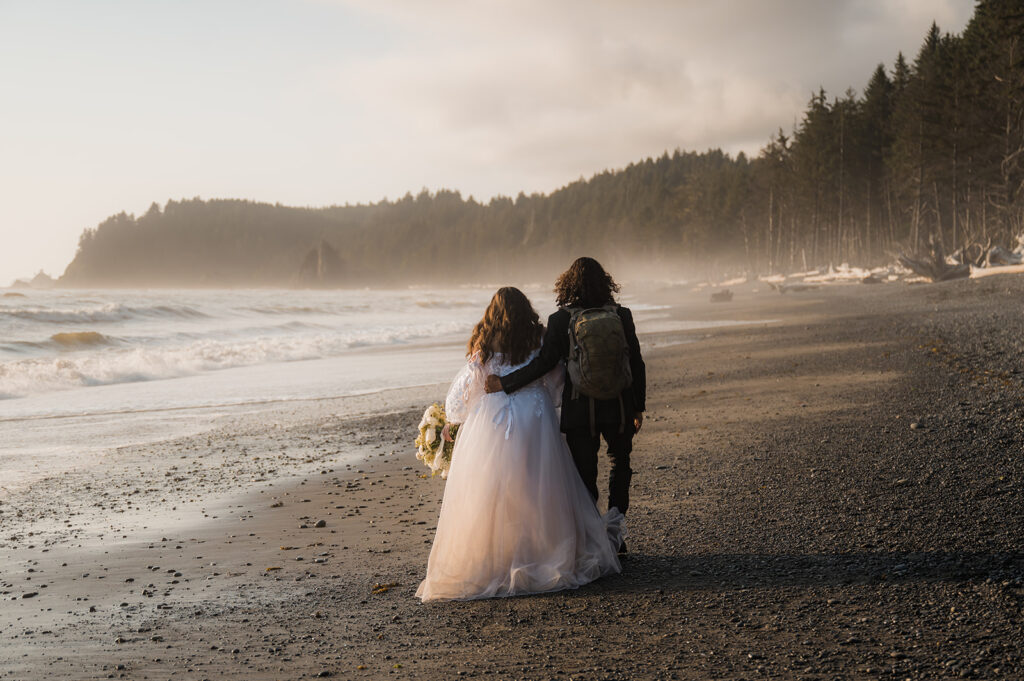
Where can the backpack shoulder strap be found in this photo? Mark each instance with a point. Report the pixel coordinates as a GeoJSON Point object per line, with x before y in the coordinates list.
{"type": "Point", "coordinates": [572, 312]}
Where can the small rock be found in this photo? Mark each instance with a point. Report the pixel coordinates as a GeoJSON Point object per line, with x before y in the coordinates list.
{"type": "Point", "coordinates": [321, 523]}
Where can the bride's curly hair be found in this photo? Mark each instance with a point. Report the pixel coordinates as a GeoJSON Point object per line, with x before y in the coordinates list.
{"type": "Point", "coordinates": [510, 325]}
{"type": "Point", "coordinates": [585, 284]}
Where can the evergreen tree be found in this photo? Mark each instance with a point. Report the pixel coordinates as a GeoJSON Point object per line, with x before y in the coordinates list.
{"type": "Point", "coordinates": [934, 148]}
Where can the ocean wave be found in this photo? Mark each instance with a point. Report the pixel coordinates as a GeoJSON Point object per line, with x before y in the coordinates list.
{"type": "Point", "coordinates": [114, 362]}
{"type": "Point", "coordinates": [22, 346]}
{"type": "Point", "coordinates": [297, 326]}
{"type": "Point", "coordinates": [80, 339]}
{"type": "Point", "coordinates": [110, 312]}
{"type": "Point", "coordinates": [446, 304]}
{"type": "Point", "coordinates": [305, 309]}
{"type": "Point", "coordinates": [183, 311]}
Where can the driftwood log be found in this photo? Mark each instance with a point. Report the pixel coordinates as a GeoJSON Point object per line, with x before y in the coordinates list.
{"type": "Point", "coordinates": [999, 256]}
{"type": "Point", "coordinates": [792, 288]}
{"type": "Point", "coordinates": [932, 264]}
{"type": "Point", "coordinates": [973, 253]}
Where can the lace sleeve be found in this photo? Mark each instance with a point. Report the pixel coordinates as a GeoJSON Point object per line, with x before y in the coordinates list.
{"type": "Point", "coordinates": [554, 381]}
{"type": "Point", "coordinates": [466, 389]}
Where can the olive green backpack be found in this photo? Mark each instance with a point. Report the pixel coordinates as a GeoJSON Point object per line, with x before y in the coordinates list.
{"type": "Point", "coordinates": [598, 354]}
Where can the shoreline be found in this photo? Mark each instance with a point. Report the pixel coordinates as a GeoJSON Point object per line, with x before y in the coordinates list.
{"type": "Point", "coordinates": [245, 433]}
{"type": "Point", "coordinates": [787, 521]}
{"type": "Point", "coordinates": [42, 439]}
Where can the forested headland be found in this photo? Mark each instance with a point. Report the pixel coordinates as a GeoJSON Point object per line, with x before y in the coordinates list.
{"type": "Point", "coordinates": [932, 149]}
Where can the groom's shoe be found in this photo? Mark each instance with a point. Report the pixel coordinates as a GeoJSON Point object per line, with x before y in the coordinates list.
{"type": "Point", "coordinates": [622, 549]}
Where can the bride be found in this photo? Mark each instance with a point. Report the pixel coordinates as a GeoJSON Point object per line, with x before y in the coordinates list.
{"type": "Point", "coordinates": [516, 517]}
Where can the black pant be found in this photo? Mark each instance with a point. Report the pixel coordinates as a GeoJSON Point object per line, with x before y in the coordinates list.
{"type": "Point", "coordinates": [584, 447]}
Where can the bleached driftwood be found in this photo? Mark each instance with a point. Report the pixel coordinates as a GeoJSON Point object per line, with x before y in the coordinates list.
{"type": "Point", "coordinates": [999, 256]}
{"type": "Point", "coordinates": [973, 253]}
{"type": "Point", "coordinates": [933, 265]}
{"type": "Point", "coordinates": [792, 288]}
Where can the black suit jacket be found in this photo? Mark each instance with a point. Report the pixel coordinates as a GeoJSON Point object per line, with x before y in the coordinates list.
{"type": "Point", "coordinates": [576, 412]}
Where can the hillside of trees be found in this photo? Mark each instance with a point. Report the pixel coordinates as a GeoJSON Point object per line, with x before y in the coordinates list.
{"type": "Point", "coordinates": [932, 149]}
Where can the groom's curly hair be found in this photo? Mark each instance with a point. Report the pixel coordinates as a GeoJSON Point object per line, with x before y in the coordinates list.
{"type": "Point", "coordinates": [585, 284]}
{"type": "Point", "coordinates": [510, 325]}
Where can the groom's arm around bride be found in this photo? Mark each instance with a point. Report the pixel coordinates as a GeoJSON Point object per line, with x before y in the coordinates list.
{"type": "Point", "coordinates": [575, 412]}
{"type": "Point", "coordinates": [585, 421]}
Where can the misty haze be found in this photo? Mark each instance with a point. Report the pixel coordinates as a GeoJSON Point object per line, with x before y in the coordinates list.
{"type": "Point", "coordinates": [520, 340]}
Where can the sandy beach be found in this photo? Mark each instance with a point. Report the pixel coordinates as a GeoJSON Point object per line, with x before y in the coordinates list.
{"type": "Point", "coordinates": [834, 494]}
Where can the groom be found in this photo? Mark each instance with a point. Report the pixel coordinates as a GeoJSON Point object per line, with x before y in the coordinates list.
{"type": "Point", "coordinates": [585, 294]}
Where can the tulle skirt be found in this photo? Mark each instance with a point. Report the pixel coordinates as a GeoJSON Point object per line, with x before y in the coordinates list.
{"type": "Point", "coordinates": [516, 517]}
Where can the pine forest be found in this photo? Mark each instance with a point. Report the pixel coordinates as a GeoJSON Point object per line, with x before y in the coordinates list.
{"type": "Point", "coordinates": [932, 151]}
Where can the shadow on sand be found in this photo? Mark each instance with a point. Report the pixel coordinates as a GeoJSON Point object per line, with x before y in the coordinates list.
{"type": "Point", "coordinates": [728, 571]}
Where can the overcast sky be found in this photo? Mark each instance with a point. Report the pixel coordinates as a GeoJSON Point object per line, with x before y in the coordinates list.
{"type": "Point", "coordinates": [108, 106]}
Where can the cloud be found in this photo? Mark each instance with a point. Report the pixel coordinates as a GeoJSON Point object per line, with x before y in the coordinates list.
{"type": "Point", "coordinates": [557, 90]}
{"type": "Point", "coordinates": [333, 101]}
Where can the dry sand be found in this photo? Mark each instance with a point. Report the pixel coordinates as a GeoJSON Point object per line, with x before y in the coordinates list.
{"type": "Point", "coordinates": [837, 494]}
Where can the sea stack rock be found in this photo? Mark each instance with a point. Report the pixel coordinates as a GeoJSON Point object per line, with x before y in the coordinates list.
{"type": "Point", "coordinates": [41, 280]}
{"type": "Point", "coordinates": [322, 267]}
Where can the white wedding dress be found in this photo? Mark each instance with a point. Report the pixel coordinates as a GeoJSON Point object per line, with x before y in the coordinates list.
{"type": "Point", "coordinates": [516, 517]}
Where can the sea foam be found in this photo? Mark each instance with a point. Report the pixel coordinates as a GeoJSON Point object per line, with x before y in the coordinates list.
{"type": "Point", "coordinates": [147, 336]}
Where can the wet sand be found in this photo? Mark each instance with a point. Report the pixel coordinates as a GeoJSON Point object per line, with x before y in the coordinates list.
{"type": "Point", "coordinates": [836, 494]}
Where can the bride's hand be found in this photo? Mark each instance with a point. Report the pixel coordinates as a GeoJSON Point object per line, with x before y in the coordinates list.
{"type": "Point", "coordinates": [493, 384]}
{"type": "Point", "coordinates": [446, 434]}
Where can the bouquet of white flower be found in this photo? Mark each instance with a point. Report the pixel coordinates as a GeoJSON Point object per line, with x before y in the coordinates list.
{"type": "Point", "coordinates": [431, 448]}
